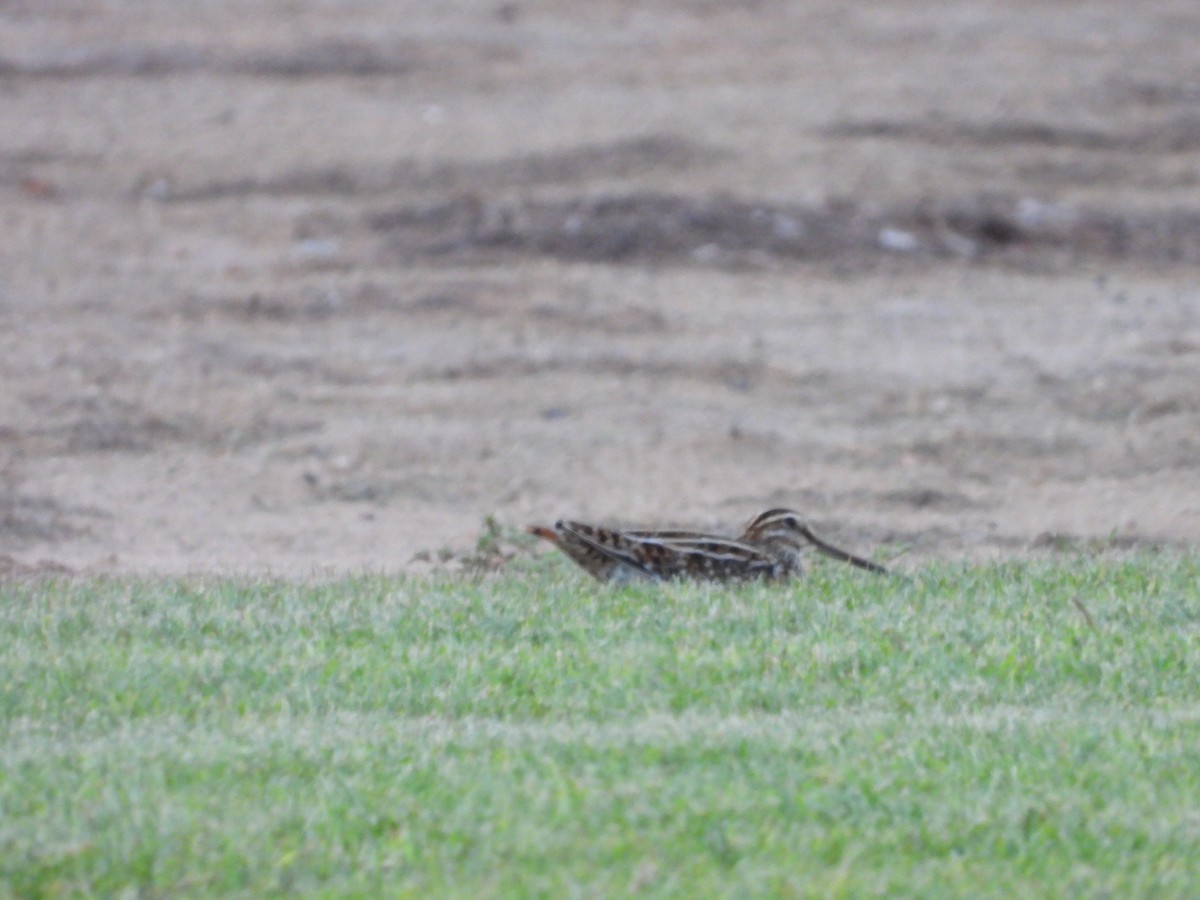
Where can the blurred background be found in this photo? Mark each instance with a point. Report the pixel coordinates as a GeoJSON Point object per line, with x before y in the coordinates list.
{"type": "Point", "coordinates": [288, 286]}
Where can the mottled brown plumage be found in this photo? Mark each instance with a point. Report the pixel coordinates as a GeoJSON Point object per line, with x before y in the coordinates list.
{"type": "Point", "coordinates": [770, 547]}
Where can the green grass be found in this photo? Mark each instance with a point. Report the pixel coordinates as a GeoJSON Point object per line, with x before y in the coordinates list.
{"type": "Point", "coordinates": [967, 732]}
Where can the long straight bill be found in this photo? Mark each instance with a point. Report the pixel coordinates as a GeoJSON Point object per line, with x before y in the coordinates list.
{"type": "Point", "coordinates": [842, 555]}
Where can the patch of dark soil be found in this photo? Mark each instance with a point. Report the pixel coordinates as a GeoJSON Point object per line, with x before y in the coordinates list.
{"type": "Point", "coordinates": [1130, 393]}
{"type": "Point", "coordinates": [636, 227]}
{"type": "Point", "coordinates": [331, 180]}
{"type": "Point", "coordinates": [1179, 135]}
{"type": "Point", "coordinates": [381, 489]}
{"type": "Point", "coordinates": [1061, 542]}
{"type": "Point", "coordinates": [929, 498]}
{"type": "Point", "coordinates": [108, 424]}
{"type": "Point", "coordinates": [1126, 170]}
{"type": "Point", "coordinates": [26, 518]}
{"type": "Point", "coordinates": [230, 360]}
{"type": "Point", "coordinates": [626, 320]}
{"type": "Point", "coordinates": [1158, 93]}
{"type": "Point", "coordinates": [726, 231]}
{"type": "Point", "coordinates": [732, 373]}
{"type": "Point", "coordinates": [617, 159]}
{"type": "Point", "coordinates": [262, 429]}
{"type": "Point", "coordinates": [981, 457]}
{"type": "Point", "coordinates": [322, 59]}
{"type": "Point", "coordinates": [100, 425]}
{"type": "Point", "coordinates": [307, 304]}
{"type": "Point", "coordinates": [934, 540]}
{"type": "Point", "coordinates": [14, 570]}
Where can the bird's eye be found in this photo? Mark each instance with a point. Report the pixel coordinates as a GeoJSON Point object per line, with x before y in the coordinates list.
{"type": "Point", "coordinates": [791, 522]}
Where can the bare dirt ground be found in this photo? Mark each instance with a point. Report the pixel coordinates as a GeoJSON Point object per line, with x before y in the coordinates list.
{"type": "Point", "coordinates": [290, 286]}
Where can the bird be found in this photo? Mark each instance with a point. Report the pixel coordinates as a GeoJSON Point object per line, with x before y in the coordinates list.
{"type": "Point", "coordinates": [770, 547]}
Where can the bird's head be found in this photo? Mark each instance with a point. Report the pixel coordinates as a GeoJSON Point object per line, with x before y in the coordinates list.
{"type": "Point", "coordinates": [784, 534]}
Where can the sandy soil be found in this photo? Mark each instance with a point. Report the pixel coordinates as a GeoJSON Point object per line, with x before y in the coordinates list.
{"type": "Point", "coordinates": [291, 286]}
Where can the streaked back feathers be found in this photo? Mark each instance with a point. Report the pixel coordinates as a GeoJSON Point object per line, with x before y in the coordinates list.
{"type": "Point", "coordinates": [770, 546]}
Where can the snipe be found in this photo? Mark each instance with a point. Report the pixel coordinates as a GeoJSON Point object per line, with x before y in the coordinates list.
{"type": "Point", "coordinates": [770, 546]}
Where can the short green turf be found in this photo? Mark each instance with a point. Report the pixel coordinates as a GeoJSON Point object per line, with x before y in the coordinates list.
{"type": "Point", "coordinates": [1020, 729]}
